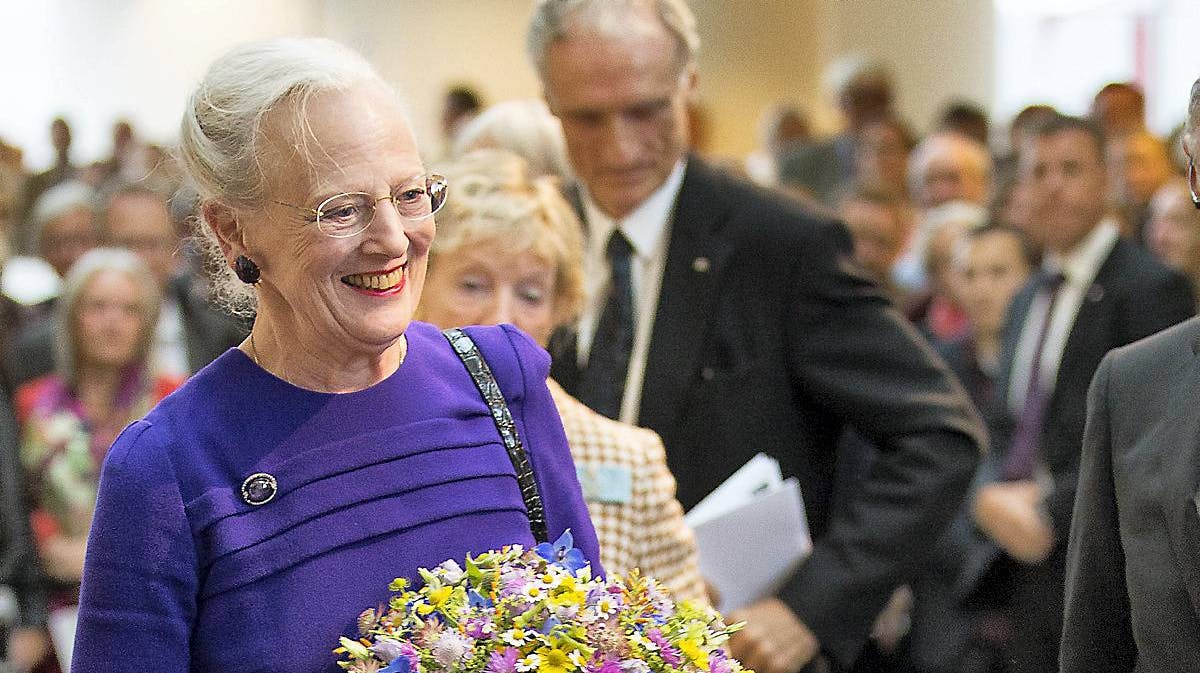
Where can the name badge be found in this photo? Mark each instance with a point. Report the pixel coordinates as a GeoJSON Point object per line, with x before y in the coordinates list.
{"type": "Point", "coordinates": [605, 483]}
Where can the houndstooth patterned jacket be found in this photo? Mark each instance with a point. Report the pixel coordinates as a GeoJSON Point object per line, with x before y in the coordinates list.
{"type": "Point", "coordinates": [630, 495]}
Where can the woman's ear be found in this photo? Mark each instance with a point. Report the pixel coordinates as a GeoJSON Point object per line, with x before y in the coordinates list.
{"type": "Point", "coordinates": [224, 223]}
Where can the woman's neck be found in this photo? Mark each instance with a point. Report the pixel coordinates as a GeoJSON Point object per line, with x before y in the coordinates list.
{"type": "Point", "coordinates": [320, 367]}
{"type": "Point", "coordinates": [987, 349]}
{"type": "Point", "coordinates": [97, 388]}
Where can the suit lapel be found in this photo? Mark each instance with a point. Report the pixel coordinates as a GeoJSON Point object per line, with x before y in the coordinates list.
{"type": "Point", "coordinates": [696, 255]}
{"type": "Point", "coordinates": [1178, 443]}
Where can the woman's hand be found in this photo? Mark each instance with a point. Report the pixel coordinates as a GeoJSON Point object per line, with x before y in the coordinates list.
{"type": "Point", "coordinates": [62, 557]}
{"type": "Point", "coordinates": [1011, 514]}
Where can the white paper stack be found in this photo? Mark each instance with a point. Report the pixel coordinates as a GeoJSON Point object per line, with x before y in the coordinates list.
{"type": "Point", "coordinates": [752, 533]}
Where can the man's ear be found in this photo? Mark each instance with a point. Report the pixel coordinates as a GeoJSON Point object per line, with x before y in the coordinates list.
{"type": "Point", "coordinates": [224, 223]}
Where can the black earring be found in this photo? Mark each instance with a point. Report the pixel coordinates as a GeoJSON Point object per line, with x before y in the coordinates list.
{"type": "Point", "coordinates": [247, 271]}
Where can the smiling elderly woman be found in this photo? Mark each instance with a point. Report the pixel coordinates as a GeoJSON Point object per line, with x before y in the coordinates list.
{"type": "Point", "coordinates": [245, 523]}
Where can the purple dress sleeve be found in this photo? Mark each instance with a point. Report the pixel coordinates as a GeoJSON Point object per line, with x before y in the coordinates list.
{"type": "Point", "coordinates": [140, 578]}
{"type": "Point", "coordinates": [542, 433]}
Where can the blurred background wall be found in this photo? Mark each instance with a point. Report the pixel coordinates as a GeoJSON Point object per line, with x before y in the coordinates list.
{"type": "Point", "coordinates": [96, 60]}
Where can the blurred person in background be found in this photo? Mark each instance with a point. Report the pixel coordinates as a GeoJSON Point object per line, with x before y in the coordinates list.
{"type": "Point", "coordinates": [63, 229]}
{"type": "Point", "coordinates": [64, 225]}
{"type": "Point", "coordinates": [1174, 230]}
{"type": "Point", "coordinates": [993, 262]}
{"type": "Point", "coordinates": [880, 223]}
{"type": "Point", "coordinates": [62, 170]}
{"type": "Point", "coordinates": [782, 128]}
{"type": "Point", "coordinates": [945, 167]}
{"type": "Point", "coordinates": [965, 118]}
{"type": "Point", "coordinates": [68, 419]}
{"type": "Point", "coordinates": [1094, 292]}
{"type": "Point", "coordinates": [1019, 129]}
{"type": "Point", "coordinates": [1119, 109]}
{"type": "Point", "coordinates": [1138, 166]}
{"type": "Point", "coordinates": [1012, 207]}
{"type": "Point", "coordinates": [509, 249]}
{"type": "Point", "coordinates": [881, 157]}
{"type": "Point", "coordinates": [525, 128]}
{"type": "Point", "coordinates": [191, 332]}
{"type": "Point", "coordinates": [937, 311]}
{"type": "Point", "coordinates": [460, 104]}
{"type": "Point", "coordinates": [863, 92]}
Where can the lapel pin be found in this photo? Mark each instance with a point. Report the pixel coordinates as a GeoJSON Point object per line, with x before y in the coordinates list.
{"type": "Point", "coordinates": [259, 489]}
{"type": "Point", "coordinates": [701, 265]}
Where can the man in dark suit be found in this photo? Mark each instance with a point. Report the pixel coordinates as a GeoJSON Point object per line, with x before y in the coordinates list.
{"type": "Point", "coordinates": [732, 321]}
{"type": "Point", "coordinates": [1095, 292]}
{"type": "Point", "coordinates": [1133, 579]}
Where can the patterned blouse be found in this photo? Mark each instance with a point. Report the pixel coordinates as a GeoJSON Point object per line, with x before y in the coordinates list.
{"type": "Point", "coordinates": [62, 449]}
{"type": "Point", "coordinates": [630, 496]}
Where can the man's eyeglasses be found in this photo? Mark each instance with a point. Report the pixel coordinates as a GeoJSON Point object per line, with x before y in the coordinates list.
{"type": "Point", "coordinates": [346, 215]}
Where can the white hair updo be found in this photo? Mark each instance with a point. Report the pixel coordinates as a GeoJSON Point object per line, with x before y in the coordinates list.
{"type": "Point", "coordinates": [221, 133]}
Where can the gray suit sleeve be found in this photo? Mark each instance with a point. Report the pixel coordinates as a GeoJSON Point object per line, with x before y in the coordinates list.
{"type": "Point", "coordinates": [1097, 635]}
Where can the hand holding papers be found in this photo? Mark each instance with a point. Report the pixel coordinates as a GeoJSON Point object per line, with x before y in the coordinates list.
{"type": "Point", "coordinates": [752, 533]}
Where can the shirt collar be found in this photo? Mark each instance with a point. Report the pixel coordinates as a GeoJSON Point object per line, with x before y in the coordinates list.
{"type": "Point", "coordinates": [646, 224]}
{"type": "Point", "coordinates": [1081, 263]}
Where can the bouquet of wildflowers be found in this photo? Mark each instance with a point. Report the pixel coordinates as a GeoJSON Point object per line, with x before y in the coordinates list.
{"type": "Point", "coordinates": [536, 611]}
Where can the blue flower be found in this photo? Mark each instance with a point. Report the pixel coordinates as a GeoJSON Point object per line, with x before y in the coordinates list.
{"type": "Point", "coordinates": [398, 665]}
{"type": "Point", "coordinates": [562, 553]}
{"type": "Point", "coordinates": [476, 600]}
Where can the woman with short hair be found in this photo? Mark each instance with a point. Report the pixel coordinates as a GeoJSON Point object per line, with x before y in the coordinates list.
{"type": "Point", "coordinates": [248, 520]}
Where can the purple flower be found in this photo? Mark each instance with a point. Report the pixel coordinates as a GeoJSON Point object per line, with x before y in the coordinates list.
{"type": "Point", "coordinates": [669, 654]}
{"type": "Point", "coordinates": [605, 666]}
{"type": "Point", "coordinates": [718, 662]}
{"type": "Point", "coordinates": [504, 661]}
{"type": "Point", "coordinates": [562, 553]}
{"type": "Point", "coordinates": [387, 649]}
{"type": "Point", "coordinates": [480, 628]}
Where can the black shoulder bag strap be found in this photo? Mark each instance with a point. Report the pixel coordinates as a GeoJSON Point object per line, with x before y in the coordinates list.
{"type": "Point", "coordinates": [481, 374]}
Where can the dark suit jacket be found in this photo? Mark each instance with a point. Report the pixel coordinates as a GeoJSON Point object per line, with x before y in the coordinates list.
{"type": "Point", "coordinates": [18, 560]}
{"type": "Point", "coordinates": [1133, 575]}
{"type": "Point", "coordinates": [1133, 296]}
{"type": "Point", "coordinates": [769, 338]}
{"type": "Point", "coordinates": [207, 333]}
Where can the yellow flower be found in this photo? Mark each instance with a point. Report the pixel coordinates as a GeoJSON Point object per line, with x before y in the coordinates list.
{"type": "Point", "coordinates": [554, 660]}
{"type": "Point", "coordinates": [692, 650]}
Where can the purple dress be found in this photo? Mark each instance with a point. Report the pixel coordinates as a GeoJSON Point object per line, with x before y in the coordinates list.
{"type": "Point", "coordinates": [183, 575]}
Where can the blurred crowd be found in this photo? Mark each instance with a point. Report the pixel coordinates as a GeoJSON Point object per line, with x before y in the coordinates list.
{"type": "Point", "coordinates": [104, 310]}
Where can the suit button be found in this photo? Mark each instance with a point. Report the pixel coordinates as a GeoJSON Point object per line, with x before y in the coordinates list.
{"type": "Point", "coordinates": [701, 265]}
{"type": "Point", "coordinates": [708, 373]}
{"type": "Point", "coordinates": [259, 489]}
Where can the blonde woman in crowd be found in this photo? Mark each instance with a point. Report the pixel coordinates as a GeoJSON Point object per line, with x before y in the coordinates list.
{"type": "Point", "coordinates": [509, 250]}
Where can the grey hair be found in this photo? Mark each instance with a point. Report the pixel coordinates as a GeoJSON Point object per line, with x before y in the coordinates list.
{"type": "Point", "coordinates": [57, 201]}
{"type": "Point", "coordinates": [523, 127]}
{"type": "Point", "coordinates": [222, 132]}
{"type": "Point", "coordinates": [553, 19]}
{"type": "Point", "coordinates": [88, 266]}
{"type": "Point", "coordinates": [1193, 116]}
{"type": "Point", "coordinates": [941, 142]}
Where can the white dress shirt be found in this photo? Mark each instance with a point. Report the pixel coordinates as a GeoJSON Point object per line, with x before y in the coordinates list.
{"type": "Point", "coordinates": [1080, 267]}
{"type": "Point", "coordinates": [647, 228]}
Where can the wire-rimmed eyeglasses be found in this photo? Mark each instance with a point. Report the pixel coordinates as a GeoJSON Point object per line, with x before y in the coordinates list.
{"type": "Point", "coordinates": [349, 214]}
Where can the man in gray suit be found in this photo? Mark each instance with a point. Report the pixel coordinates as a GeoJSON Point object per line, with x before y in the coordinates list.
{"type": "Point", "coordinates": [1133, 574]}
